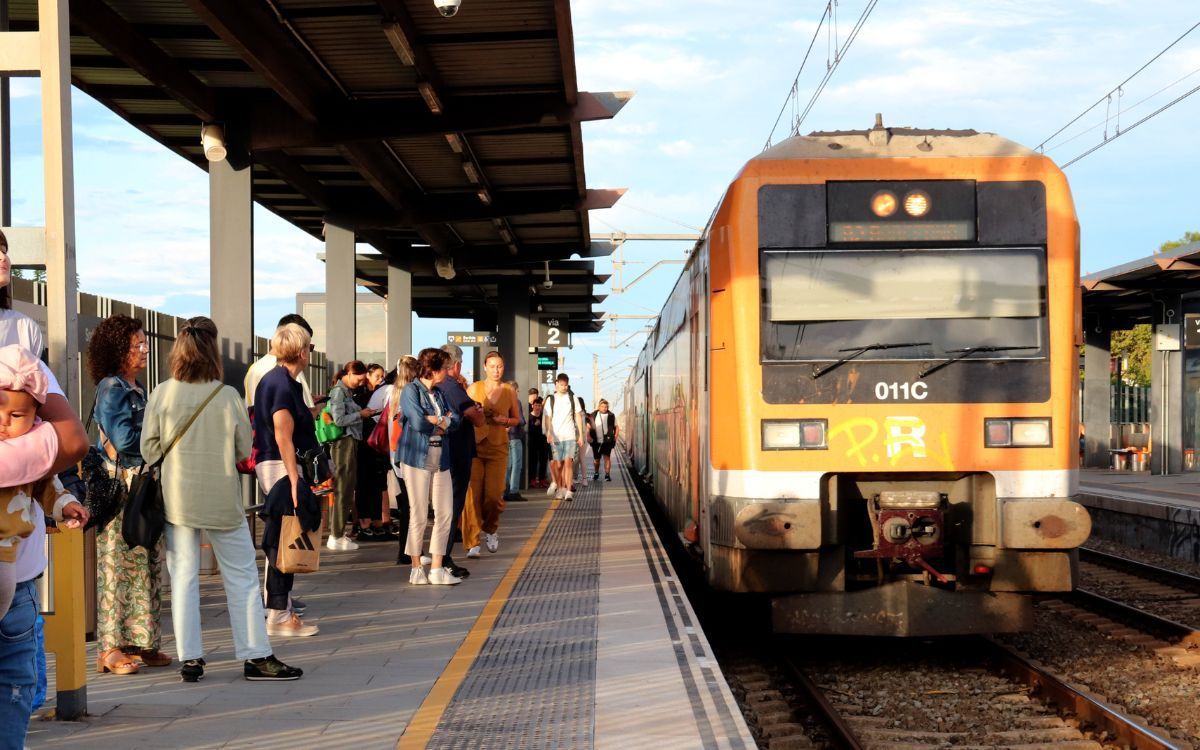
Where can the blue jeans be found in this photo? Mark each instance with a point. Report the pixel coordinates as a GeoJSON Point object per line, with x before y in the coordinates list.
{"type": "Point", "coordinates": [18, 666]}
{"type": "Point", "coordinates": [516, 460]}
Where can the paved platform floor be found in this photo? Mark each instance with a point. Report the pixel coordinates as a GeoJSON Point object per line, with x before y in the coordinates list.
{"type": "Point", "coordinates": [452, 666]}
{"type": "Point", "coordinates": [1174, 489]}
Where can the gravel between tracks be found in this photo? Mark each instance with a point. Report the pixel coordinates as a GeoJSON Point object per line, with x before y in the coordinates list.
{"type": "Point", "coordinates": [1133, 553]}
{"type": "Point", "coordinates": [1131, 677]}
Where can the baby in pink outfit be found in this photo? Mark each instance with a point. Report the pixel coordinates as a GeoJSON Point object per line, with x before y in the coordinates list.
{"type": "Point", "coordinates": [29, 449]}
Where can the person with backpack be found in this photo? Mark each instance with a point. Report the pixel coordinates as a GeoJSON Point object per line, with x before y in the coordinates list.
{"type": "Point", "coordinates": [562, 422]}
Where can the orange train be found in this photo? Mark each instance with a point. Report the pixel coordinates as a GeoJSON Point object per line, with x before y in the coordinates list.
{"type": "Point", "coordinates": [860, 397]}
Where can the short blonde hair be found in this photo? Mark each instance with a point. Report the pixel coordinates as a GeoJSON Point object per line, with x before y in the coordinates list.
{"type": "Point", "coordinates": [289, 343]}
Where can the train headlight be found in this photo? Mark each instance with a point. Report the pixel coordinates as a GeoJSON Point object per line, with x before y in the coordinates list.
{"type": "Point", "coordinates": [916, 203]}
{"type": "Point", "coordinates": [1016, 433]}
{"type": "Point", "coordinates": [793, 434]}
{"type": "Point", "coordinates": [884, 203]}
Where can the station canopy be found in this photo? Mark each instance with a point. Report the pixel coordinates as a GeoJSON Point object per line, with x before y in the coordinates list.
{"type": "Point", "coordinates": [431, 138]}
{"type": "Point", "coordinates": [1124, 296]}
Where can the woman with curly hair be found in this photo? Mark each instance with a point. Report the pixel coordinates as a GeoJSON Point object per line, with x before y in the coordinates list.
{"type": "Point", "coordinates": [128, 581]}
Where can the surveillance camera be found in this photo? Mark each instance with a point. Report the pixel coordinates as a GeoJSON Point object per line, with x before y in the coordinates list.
{"type": "Point", "coordinates": [547, 284]}
{"type": "Point", "coordinates": [447, 7]}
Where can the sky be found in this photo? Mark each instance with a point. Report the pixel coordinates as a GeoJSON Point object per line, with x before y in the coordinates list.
{"type": "Point", "coordinates": [711, 77]}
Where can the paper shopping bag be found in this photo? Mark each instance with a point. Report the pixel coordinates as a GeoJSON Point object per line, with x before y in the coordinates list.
{"type": "Point", "coordinates": [299, 550]}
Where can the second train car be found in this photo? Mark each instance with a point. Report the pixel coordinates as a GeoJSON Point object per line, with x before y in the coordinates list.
{"type": "Point", "coordinates": [860, 397]}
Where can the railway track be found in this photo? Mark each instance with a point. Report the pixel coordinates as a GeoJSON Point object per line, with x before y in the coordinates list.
{"type": "Point", "coordinates": [1172, 596]}
{"type": "Point", "coordinates": [900, 699]}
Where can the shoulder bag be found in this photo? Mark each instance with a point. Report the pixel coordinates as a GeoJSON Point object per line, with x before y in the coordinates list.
{"type": "Point", "coordinates": [328, 431]}
{"type": "Point", "coordinates": [105, 491]}
{"type": "Point", "coordinates": [145, 514]}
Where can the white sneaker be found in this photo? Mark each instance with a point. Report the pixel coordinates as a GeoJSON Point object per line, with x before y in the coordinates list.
{"type": "Point", "coordinates": [342, 544]}
{"type": "Point", "coordinates": [492, 541]}
{"type": "Point", "coordinates": [558, 495]}
{"type": "Point", "coordinates": [569, 496]}
{"type": "Point", "coordinates": [426, 559]}
{"type": "Point", "coordinates": [473, 552]}
{"type": "Point", "coordinates": [332, 543]}
{"type": "Point", "coordinates": [552, 489]}
{"type": "Point", "coordinates": [417, 577]}
{"type": "Point", "coordinates": [443, 577]}
{"type": "Point", "coordinates": [293, 627]}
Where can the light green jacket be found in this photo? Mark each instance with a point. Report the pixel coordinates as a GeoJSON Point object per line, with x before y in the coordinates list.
{"type": "Point", "coordinates": [201, 487]}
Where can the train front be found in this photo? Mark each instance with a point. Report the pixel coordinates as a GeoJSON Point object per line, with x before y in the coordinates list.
{"type": "Point", "coordinates": [901, 310]}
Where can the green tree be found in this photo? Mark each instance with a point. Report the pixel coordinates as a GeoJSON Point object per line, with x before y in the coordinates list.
{"type": "Point", "coordinates": [1187, 239]}
{"type": "Point", "coordinates": [1134, 347]}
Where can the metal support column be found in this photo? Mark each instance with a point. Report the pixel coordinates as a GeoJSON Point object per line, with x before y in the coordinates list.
{"type": "Point", "coordinates": [1166, 394]}
{"type": "Point", "coordinates": [399, 311]}
{"type": "Point", "coordinates": [5, 136]}
{"type": "Point", "coordinates": [231, 266]}
{"type": "Point", "coordinates": [341, 344]}
{"type": "Point", "coordinates": [58, 165]}
{"type": "Point", "coordinates": [1097, 425]}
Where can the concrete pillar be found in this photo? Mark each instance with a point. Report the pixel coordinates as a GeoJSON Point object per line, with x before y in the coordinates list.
{"type": "Point", "coordinates": [1097, 425]}
{"type": "Point", "coordinates": [485, 320]}
{"type": "Point", "coordinates": [340, 325]}
{"type": "Point", "coordinates": [231, 265]}
{"type": "Point", "coordinates": [399, 310]}
{"type": "Point", "coordinates": [5, 137]}
{"type": "Point", "coordinates": [1166, 395]}
{"type": "Point", "coordinates": [513, 333]}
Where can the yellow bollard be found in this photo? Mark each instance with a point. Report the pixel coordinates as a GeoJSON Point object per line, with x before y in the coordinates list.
{"type": "Point", "coordinates": [65, 632]}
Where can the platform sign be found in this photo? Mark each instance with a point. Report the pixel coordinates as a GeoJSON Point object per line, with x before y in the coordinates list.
{"type": "Point", "coordinates": [1191, 332]}
{"type": "Point", "coordinates": [548, 376]}
{"type": "Point", "coordinates": [471, 338]}
{"type": "Point", "coordinates": [551, 331]}
{"type": "Point", "coordinates": [547, 360]}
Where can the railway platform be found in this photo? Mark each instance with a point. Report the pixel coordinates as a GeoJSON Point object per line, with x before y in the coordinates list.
{"type": "Point", "coordinates": [575, 634]}
{"type": "Point", "coordinates": [1143, 510]}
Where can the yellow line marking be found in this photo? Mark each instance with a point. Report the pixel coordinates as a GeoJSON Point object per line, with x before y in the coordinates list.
{"type": "Point", "coordinates": [425, 721]}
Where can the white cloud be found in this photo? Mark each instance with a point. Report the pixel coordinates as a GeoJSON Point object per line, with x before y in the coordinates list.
{"type": "Point", "coordinates": [677, 148]}
{"type": "Point", "coordinates": [637, 65]}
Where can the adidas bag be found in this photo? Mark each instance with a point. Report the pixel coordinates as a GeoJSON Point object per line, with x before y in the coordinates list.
{"type": "Point", "coordinates": [299, 550]}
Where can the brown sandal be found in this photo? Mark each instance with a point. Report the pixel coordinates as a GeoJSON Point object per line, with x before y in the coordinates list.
{"type": "Point", "coordinates": [114, 660]}
{"type": "Point", "coordinates": [150, 657]}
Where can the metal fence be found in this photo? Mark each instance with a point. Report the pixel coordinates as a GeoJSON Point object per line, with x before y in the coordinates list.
{"type": "Point", "coordinates": [1129, 404]}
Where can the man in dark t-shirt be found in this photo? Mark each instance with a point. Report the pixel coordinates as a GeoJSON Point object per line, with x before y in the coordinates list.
{"type": "Point", "coordinates": [462, 443]}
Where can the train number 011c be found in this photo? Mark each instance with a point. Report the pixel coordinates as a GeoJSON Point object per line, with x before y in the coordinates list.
{"type": "Point", "coordinates": [901, 391]}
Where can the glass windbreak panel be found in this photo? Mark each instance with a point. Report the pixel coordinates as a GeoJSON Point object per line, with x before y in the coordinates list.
{"type": "Point", "coordinates": [818, 305]}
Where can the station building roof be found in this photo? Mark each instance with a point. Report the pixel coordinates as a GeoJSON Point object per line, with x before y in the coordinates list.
{"type": "Point", "coordinates": [456, 137]}
{"type": "Point", "coordinates": [1124, 296]}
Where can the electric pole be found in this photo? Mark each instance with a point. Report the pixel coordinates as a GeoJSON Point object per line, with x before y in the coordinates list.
{"type": "Point", "coordinates": [595, 379]}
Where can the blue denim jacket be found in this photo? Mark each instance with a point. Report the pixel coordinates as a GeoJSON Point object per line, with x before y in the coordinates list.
{"type": "Point", "coordinates": [119, 411]}
{"type": "Point", "coordinates": [415, 405]}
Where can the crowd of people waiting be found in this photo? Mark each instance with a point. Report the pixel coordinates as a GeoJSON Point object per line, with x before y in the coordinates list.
{"type": "Point", "coordinates": [417, 438]}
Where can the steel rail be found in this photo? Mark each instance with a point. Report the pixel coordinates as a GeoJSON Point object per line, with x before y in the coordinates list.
{"type": "Point", "coordinates": [1182, 635]}
{"type": "Point", "coordinates": [1082, 705]}
{"type": "Point", "coordinates": [840, 732]}
{"type": "Point", "coordinates": [1144, 570]}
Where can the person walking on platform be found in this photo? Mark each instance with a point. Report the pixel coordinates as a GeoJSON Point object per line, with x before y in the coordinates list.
{"type": "Point", "coordinates": [202, 428]}
{"type": "Point", "coordinates": [563, 421]}
{"type": "Point", "coordinates": [538, 449]}
{"type": "Point", "coordinates": [604, 434]}
{"type": "Point", "coordinates": [128, 581]}
{"type": "Point", "coordinates": [344, 451]}
{"type": "Point", "coordinates": [485, 501]}
{"type": "Point", "coordinates": [283, 429]}
{"type": "Point", "coordinates": [462, 441]}
{"type": "Point", "coordinates": [516, 454]}
{"type": "Point", "coordinates": [424, 457]}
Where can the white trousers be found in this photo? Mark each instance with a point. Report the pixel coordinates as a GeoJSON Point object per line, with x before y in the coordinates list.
{"type": "Point", "coordinates": [425, 487]}
{"type": "Point", "coordinates": [235, 555]}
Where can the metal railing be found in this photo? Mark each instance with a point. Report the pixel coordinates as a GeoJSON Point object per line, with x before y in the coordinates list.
{"type": "Point", "coordinates": [1129, 404]}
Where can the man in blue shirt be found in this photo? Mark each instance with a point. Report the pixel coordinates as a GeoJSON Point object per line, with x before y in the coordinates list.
{"type": "Point", "coordinates": [462, 442]}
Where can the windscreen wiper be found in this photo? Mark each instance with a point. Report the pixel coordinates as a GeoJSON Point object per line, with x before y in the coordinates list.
{"type": "Point", "coordinates": [861, 350]}
{"type": "Point", "coordinates": [964, 353]}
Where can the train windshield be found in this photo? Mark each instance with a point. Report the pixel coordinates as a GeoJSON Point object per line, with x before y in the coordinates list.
{"type": "Point", "coordinates": [818, 304]}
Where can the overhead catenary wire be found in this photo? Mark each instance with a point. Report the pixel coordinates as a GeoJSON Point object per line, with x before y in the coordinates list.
{"type": "Point", "coordinates": [796, 83]}
{"type": "Point", "coordinates": [1115, 90]}
{"type": "Point", "coordinates": [839, 55]}
{"type": "Point", "coordinates": [1150, 116]}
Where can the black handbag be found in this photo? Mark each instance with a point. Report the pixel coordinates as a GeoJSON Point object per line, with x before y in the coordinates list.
{"type": "Point", "coordinates": [145, 515]}
{"type": "Point", "coordinates": [105, 492]}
